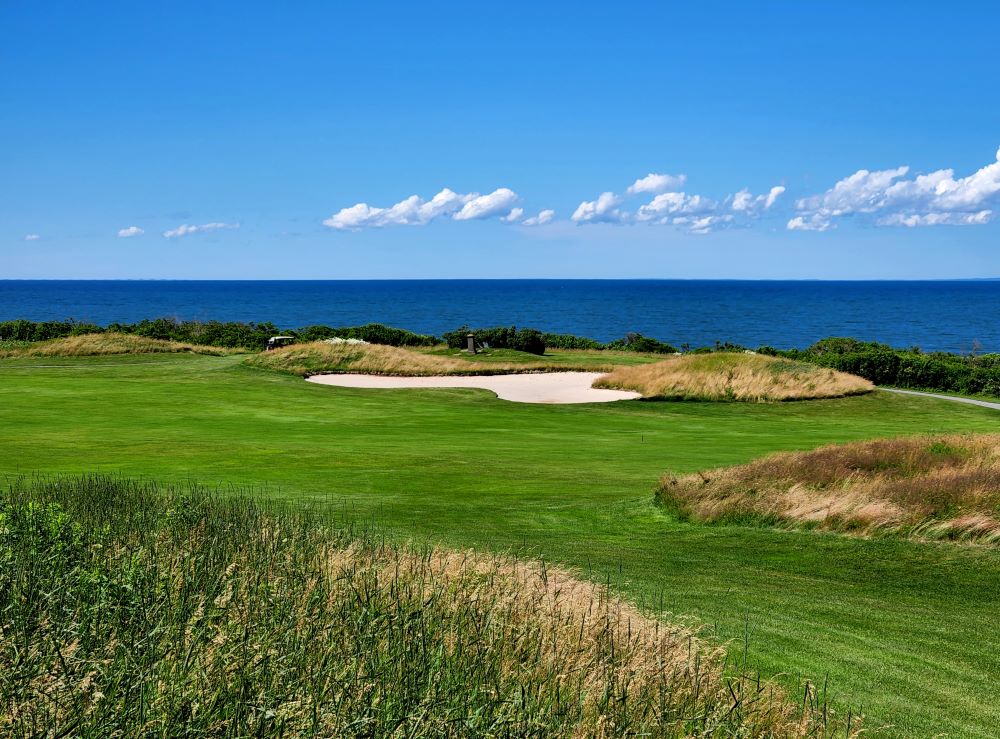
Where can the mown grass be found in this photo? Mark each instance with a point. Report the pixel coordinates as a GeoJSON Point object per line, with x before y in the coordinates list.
{"type": "Point", "coordinates": [935, 487]}
{"type": "Point", "coordinates": [734, 376]}
{"type": "Point", "coordinates": [894, 627]}
{"type": "Point", "coordinates": [88, 345]}
{"type": "Point", "coordinates": [132, 610]}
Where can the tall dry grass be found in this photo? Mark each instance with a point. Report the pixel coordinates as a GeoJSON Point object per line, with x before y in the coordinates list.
{"type": "Point", "coordinates": [88, 345]}
{"type": "Point", "coordinates": [731, 376]}
{"type": "Point", "coordinates": [377, 359]}
{"type": "Point", "coordinates": [936, 487]}
{"type": "Point", "coordinates": [130, 610]}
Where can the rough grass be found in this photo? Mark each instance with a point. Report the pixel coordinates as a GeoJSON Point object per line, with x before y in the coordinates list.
{"type": "Point", "coordinates": [730, 376]}
{"type": "Point", "coordinates": [375, 359]}
{"type": "Point", "coordinates": [87, 345]}
{"type": "Point", "coordinates": [129, 610]}
{"type": "Point", "coordinates": [929, 486]}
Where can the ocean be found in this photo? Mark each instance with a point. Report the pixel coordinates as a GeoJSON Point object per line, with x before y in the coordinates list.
{"type": "Point", "coordinates": [957, 316]}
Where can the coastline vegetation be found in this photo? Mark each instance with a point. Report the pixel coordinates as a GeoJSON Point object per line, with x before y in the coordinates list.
{"type": "Point", "coordinates": [929, 487]}
{"type": "Point", "coordinates": [736, 377]}
{"type": "Point", "coordinates": [128, 608]}
{"type": "Point", "coordinates": [968, 374]}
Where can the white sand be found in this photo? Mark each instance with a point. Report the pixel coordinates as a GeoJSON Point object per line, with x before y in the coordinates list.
{"type": "Point", "coordinates": [548, 387]}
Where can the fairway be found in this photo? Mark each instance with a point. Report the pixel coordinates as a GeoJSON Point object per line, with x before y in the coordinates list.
{"type": "Point", "coordinates": [903, 631]}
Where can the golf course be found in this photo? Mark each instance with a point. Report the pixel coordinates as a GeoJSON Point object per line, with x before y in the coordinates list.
{"type": "Point", "coordinates": [900, 630]}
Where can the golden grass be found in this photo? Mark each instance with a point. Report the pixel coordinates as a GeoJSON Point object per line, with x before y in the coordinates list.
{"type": "Point", "coordinates": [581, 625]}
{"type": "Point", "coordinates": [88, 345]}
{"type": "Point", "coordinates": [935, 487]}
{"type": "Point", "coordinates": [729, 376]}
{"type": "Point", "coordinates": [376, 359]}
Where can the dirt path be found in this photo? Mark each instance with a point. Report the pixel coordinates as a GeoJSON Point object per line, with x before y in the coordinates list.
{"type": "Point", "coordinates": [548, 387]}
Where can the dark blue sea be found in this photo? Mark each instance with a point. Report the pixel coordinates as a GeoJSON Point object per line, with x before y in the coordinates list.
{"type": "Point", "coordinates": [955, 316]}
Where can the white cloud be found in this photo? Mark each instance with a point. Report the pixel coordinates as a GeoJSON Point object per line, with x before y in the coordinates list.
{"type": "Point", "coordinates": [486, 206]}
{"type": "Point", "coordinates": [773, 194]}
{"type": "Point", "coordinates": [514, 215]}
{"type": "Point", "coordinates": [914, 220]}
{"type": "Point", "coordinates": [815, 222]}
{"type": "Point", "coordinates": [541, 219]}
{"type": "Point", "coordinates": [126, 233]}
{"type": "Point", "coordinates": [31, 237]}
{"type": "Point", "coordinates": [657, 183]}
{"type": "Point", "coordinates": [415, 211]}
{"type": "Point", "coordinates": [703, 224]}
{"type": "Point", "coordinates": [603, 210]}
{"type": "Point", "coordinates": [661, 208]}
{"type": "Point", "coordinates": [745, 202]}
{"type": "Point", "coordinates": [186, 230]}
{"type": "Point", "coordinates": [933, 199]}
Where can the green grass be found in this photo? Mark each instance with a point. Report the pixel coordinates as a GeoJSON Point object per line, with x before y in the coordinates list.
{"type": "Point", "coordinates": [903, 630]}
{"type": "Point", "coordinates": [130, 609]}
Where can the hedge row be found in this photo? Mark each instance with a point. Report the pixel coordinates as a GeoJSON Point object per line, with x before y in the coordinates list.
{"type": "Point", "coordinates": [906, 368]}
{"type": "Point", "coordinates": [230, 334]}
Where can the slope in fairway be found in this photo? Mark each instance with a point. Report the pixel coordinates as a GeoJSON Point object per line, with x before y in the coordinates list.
{"type": "Point", "coordinates": [903, 630]}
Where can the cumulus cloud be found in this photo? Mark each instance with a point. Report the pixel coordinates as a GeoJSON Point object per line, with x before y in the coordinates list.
{"type": "Point", "coordinates": [415, 211]}
{"type": "Point", "coordinates": [31, 237]}
{"type": "Point", "coordinates": [893, 199]}
{"type": "Point", "coordinates": [486, 206]}
{"type": "Point", "coordinates": [543, 217]}
{"type": "Point", "coordinates": [126, 233]}
{"type": "Point", "coordinates": [673, 206]}
{"type": "Point", "coordinates": [657, 183]}
{"type": "Point", "coordinates": [745, 202]}
{"type": "Point", "coordinates": [187, 230]}
{"type": "Point", "coordinates": [814, 222]}
{"type": "Point", "coordinates": [514, 215]}
{"type": "Point", "coordinates": [664, 206]}
{"type": "Point", "coordinates": [603, 210]}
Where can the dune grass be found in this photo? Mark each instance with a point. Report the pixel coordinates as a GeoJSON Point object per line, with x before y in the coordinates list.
{"type": "Point", "coordinates": [895, 627]}
{"type": "Point", "coordinates": [89, 345]}
{"type": "Point", "coordinates": [731, 376]}
{"type": "Point", "coordinates": [319, 357]}
{"type": "Point", "coordinates": [938, 487]}
{"type": "Point", "coordinates": [128, 609]}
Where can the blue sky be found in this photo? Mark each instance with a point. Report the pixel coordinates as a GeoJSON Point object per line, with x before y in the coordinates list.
{"type": "Point", "coordinates": [241, 138]}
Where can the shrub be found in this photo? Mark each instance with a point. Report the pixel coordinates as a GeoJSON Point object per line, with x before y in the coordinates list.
{"type": "Point", "coordinates": [569, 341]}
{"type": "Point", "coordinates": [373, 333]}
{"type": "Point", "coordinates": [635, 342]}
{"type": "Point", "coordinates": [525, 340]}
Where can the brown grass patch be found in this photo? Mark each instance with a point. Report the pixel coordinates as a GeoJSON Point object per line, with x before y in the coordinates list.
{"type": "Point", "coordinates": [319, 357]}
{"type": "Point", "coordinates": [89, 345]}
{"type": "Point", "coordinates": [937, 487]}
{"type": "Point", "coordinates": [729, 376]}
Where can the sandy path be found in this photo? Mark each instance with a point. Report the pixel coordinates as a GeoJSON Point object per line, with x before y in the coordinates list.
{"type": "Point", "coordinates": [548, 387]}
{"type": "Point", "coordinates": [970, 401]}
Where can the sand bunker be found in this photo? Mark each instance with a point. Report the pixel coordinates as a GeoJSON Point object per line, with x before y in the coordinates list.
{"type": "Point", "coordinates": [550, 387]}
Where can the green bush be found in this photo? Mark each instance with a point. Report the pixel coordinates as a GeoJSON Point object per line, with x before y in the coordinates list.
{"type": "Point", "coordinates": [373, 333]}
{"type": "Point", "coordinates": [524, 340]}
{"type": "Point", "coordinates": [635, 342]}
{"type": "Point", "coordinates": [569, 341]}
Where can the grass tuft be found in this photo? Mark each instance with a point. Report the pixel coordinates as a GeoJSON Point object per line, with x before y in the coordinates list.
{"type": "Point", "coordinates": [729, 376]}
{"type": "Point", "coordinates": [927, 487]}
{"type": "Point", "coordinates": [87, 345]}
{"type": "Point", "coordinates": [374, 359]}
